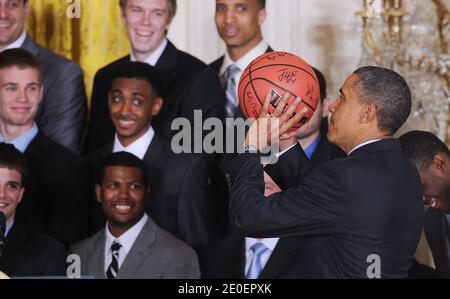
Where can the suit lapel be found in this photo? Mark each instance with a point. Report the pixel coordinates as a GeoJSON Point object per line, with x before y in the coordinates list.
{"type": "Point", "coordinates": [169, 58]}
{"type": "Point", "coordinates": [285, 251]}
{"type": "Point", "coordinates": [31, 46]}
{"type": "Point", "coordinates": [14, 250]}
{"type": "Point", "coordinates": [95, 267]}
{"type": "Point", "coordinates": [140, 250]}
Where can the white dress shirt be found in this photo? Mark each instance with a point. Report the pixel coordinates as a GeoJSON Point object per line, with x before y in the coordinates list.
{"type": "Point", "coordinates": [363, 144]}
{"type": "Point", "coordinates": [126, 240]}
{"type": "Point", "coordinates": [154, 57]}
{"type": "Point", "coordinates": [270, 243]}
{"type": "Point", "coordinates": [18, 42]}
{"type": "Point", "coordinates": [243, 62]}
{"type": "Point", "coordinates": [138, 147]}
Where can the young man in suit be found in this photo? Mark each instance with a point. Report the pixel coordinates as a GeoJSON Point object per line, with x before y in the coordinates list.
{"type": "Point", "coordinates": [56, 199]}
{"type": "Point", "coordinates": [343, 206]}
{"type": "Point", "coordinates": [432, 158]}
{"type": "Point", "coordinates": [180, 201]}
{"type": "Point", "coordinates": [238, 23]}
{"type": "Point", "coordinates": [28, 252]}
{"type": "Point", "coordinates": [189, 84]}
{"type": "Point", "coordinates": [62, 114]}
{"type": "Point", "coordinates": [131, 245]}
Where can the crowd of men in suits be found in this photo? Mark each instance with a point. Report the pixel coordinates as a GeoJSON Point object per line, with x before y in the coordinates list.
{"type": "Point", "coordinates": [112, 191]}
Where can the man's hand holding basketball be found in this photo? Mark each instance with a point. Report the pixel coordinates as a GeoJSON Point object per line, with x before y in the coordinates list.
{"type": "Point", "coordinates": [273, 128]}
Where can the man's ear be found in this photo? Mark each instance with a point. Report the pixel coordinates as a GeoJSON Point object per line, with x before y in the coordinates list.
{"type": "Point", "coordinates": [26, 8]}
{"type": "Point", "coordinates": [22, 190]}
{"type": "Point", "coordinates": [368, 113]}
{"type": "Point", "coordinates": [157, 105]}
{"type": "Point", "coordinates": [98, 193]}
{"type": "Point", "coordinates": [262, 16]}
{"type": "Point", "coordinates": [439, 162]}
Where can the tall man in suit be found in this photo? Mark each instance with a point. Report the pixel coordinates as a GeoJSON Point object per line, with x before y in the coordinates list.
{"type": "Point", "coordinates": [180, 201]}
{"type": "Point", "coordinates": [62, 113]}
{"type": "Point", "coordinates": [28, 252]}
{"type": "Point", "coordinates": [189, 84]}
{"type": "Point", "coordinates": [131, 245]}
{"type": "Point", "coordinates": [56, 197]}
{"type": "Point", "coordinates": [432, 159]}
{"type": "Point", "coordinates": [238, 23]}
{"type": "Point", "coordinates": [360, 216]}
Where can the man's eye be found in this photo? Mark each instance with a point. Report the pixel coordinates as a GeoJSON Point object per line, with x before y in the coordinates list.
{"type": "Point", "coordinates": [137, 102]}
{"type": "Point", "coordinates": [117, 99]}
{"type": "Point", "coordinates": [220, 8]}
{"type": "Point", "coordinates": [13, 186]}
{"type": "Point", "coordinates": [135, 186]}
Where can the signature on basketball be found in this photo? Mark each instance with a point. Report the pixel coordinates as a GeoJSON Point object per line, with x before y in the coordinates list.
{"type": "Point", "coordinates": [288, 76]}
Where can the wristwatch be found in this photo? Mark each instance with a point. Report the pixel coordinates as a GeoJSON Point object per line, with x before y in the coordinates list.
{"type": "Point", "coordinates": [250, 149]}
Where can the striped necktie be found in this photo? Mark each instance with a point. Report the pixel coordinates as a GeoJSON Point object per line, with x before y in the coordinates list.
{"type": "Point", "coordinates": [113, 268]}
{"type": "Point", "coordinates": [255, 266]}
{"type": "Point", "coordinates": [232, 101]}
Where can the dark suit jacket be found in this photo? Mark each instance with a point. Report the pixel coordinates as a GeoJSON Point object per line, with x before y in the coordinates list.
{"type": "Point", "coordinates": [180, 196]}
{"type": "Point", "coordinates": [31, 253]}
{"type": "Point", "coordinates": [347, 209]}
{"type": "Point", "coordinates": [155, 254]}
{"type": "Point", "coordinates": [63, 111]}
{"type": "Point", "coordinates": [225, 259]}
{"type": "Point", "coordinates": [56, 198]}
{"type": "Point", "coordinates": [188, 85]}
{"type": "Point", "coordinates": [436, 231]}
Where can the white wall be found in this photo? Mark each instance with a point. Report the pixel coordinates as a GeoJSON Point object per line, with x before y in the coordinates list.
{"type": "Point", "coordinates": [323, 32]}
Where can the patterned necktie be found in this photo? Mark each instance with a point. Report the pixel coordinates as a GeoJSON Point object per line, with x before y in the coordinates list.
{"type": "Point", "coordinates": [255, 266]}
{"type": "Point", "coordinates": [232, 102]}
{"type": "Point", "coordinates": [113, 268]}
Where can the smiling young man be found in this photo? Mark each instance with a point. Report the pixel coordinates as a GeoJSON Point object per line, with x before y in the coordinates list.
{"type": "Point", "coordinates": [180, 201]}
{"type": "Point", "coordinates": [28, 252]}
{"type": "Point", "coordinates": [53, 202]}
{"type": "Point", "coordinates": [362, 215]}
{"type": "Point", "coordinates": [238, 23]}
{"type": "Point", "coordinates": [62, 114]}
{"type": "Point", "coordinates": [131, 245]}
{"type": "Point", "coordinates": [189, 84]}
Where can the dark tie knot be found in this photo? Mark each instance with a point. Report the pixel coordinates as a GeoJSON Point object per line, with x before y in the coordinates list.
{"type": "Point", "coordinates": [115, 247]}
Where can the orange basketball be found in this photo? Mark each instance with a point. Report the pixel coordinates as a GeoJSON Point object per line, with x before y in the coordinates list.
{"type": "Point", "coordinates": [278, 73]}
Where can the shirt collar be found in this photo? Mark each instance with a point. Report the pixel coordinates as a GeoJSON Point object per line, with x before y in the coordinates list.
{"type": "Point", "coordinates": [128, 238]}
{"type": "Point", "coordinates": [21, 142]}
{"type": "Point", "coordinates": [138, 147]}
{"type": "Point", "coordinates": [154, 57]}
{"type": "Point", "coordinates": [309, 151]}
{"type": "Point", "coordinates": [270, 243]}
{"type": "Point", "coordinates": [245, 60]}
{"type": "Point", "coordinates": [363, 144]}
{"type": "Point", "coordinates": [8, 227]}
{"type": "Point", "coordinates": [18, 42]}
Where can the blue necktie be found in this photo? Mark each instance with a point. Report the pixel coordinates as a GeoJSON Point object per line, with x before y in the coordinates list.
{"type": "Point", "coordinates": [232, 102]}
{"type": "Point", "coordinates": [255, 266]}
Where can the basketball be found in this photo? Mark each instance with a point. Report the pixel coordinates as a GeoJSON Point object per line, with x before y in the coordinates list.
{"type": "Point", "coordinates": [278, 73]}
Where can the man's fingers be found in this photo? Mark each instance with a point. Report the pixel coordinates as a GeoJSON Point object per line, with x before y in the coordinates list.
{"type": "Point", "coordinates": [290, 112]}
{"type": "Point", "coordinates": [281, 105]}
{"type": "Point", "coordinates": [293, 121]}
{"type": "Point", "coordinates": [266, 106]}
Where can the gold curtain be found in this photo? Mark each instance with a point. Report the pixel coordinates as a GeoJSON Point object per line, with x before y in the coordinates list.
{"type": "Point", "coordinates": [93, 40]}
